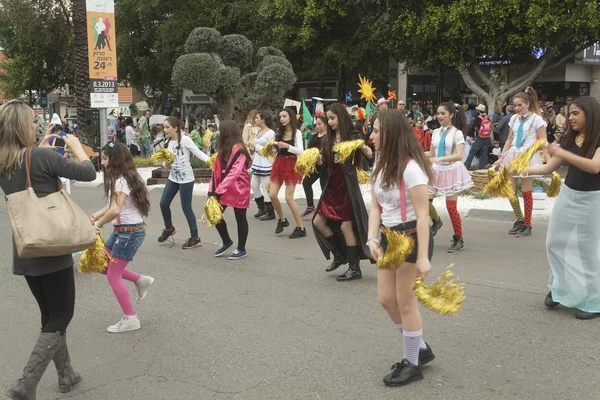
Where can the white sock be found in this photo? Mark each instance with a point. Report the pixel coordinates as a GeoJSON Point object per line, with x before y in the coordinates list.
{"type": "Point", "coordinates": [423, 344]}
{"type": "Point", "coordinates": [412, 346]}
{"type": "Point", "coordinates": [399, 326]}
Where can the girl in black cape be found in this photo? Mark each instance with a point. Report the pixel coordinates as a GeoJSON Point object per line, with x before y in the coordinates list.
{"type": "Point", "coordinates": [341, 220]}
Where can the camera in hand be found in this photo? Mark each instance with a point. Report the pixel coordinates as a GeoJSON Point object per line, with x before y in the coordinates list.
{"type": "Point", "coordinates": [59, 142]}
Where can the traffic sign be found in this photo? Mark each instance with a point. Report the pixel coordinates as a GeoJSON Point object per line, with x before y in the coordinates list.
{"type": "Point", "coordinates": [52, 98]}
{"type": "Point", "coordinates": [44, 100]}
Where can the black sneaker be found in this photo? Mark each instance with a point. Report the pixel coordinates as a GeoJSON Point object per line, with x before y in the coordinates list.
{"type": "Point", "coordinates": [457, 244]}
{"type": "Point", "coordinates": [549, 301]}
{"type": "Point", "coordinates": [280, 225]}
{"type": "Point", "coordinates": [166, 233]}
{"type": "Point", "coordinates": [426, 355]}
{"type": "Point", "coordinates": [435, 227]}
{"type": "Point", "coordinates": [298, 233]}
{"type": "Point", "coordinates": [525, 231]}
{"type": "Point", "coordinates": [517, 226]}
{"type": "Point", "coordinates": [308, 212]}
{"type": "Point", "coordinates": [192, 243]}
{"type": "Point", "coordinates": [403, 373]}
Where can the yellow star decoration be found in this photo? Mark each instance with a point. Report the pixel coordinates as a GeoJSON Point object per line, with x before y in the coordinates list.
{"type": "Point", "coordinates": [367, 91]}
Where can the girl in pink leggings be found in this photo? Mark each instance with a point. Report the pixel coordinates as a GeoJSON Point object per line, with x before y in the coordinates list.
{"type": "Point", "coordinates": [127, 206]}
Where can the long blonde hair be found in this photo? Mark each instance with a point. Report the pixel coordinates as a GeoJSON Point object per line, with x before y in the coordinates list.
{"type": "Point", "coordinates": [16, 120]}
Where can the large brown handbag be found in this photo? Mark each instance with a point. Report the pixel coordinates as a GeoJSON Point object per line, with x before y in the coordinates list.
{"type": "Point", "coordinates": [47, 226]}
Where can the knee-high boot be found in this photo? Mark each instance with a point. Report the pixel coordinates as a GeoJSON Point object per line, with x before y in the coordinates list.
{"type": "Point", "coordinates": [67, 377]}
{"type": "Point", "coordinates": [260, 203]}
{"type": "Point", "coordinates": [336, 245]}
{"type": "Point", "coordinates": [269, 212]}
{"type": "Point", "coordinates": [44, 350]}
{"type": "Point", "coordinates": [353, 271]}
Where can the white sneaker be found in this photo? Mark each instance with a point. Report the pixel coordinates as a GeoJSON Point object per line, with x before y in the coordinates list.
{"type": "Point", "coordinates": [142, 285]}
{"type": "Point", "coordinates": [126, 324]}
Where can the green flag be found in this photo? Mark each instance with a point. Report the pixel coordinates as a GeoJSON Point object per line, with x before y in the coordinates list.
{"type": "Point", "coordinates": [306, 115]}
{"type": "Point", "coordinates": [369, 109]}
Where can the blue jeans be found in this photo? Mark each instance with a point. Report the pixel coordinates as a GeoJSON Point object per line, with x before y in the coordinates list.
{"type": "Point", "coordinates": [481, 149]}
{"type": "Point", "coordinates": [146, 148]}
{"type": "Point", "coordinates": [186, 191]}
{"type": "Point", "coordinates": [124, 245]}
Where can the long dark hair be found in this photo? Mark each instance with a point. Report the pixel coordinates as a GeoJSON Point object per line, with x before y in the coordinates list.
{"type": "Point", "coordinates": [293, 123]}
{"type": "Point", "coordinates": [591, 108]}
{"type": "Point", "coordinates": [397, 146]}
{"type": "Point", "coordinates": [120, 164]}
{"type": "Point", "coordinates": [229, 136]}
{"type": "Point", "coordinates": [459, 118]}
{"type": "Point", "coordinates": [266, 116]}
{"type": "Point", "coordinates": [346, 128]}
{"type": "Point", "coordinates": [175, 123]}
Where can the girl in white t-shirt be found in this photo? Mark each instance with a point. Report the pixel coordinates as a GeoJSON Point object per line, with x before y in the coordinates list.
{"type": "Point", "coordinates": [400, 202]}
{"type": "Point", "coordinates": [525, 127]}
{"type": "Point", "coordinates": [451, 175]}
{"type": "Point", "coordinates": [128, 204]}
{"type": "Point", "coordinates": [181, 179]}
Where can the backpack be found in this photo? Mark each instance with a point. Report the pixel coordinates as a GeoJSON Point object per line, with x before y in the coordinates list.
{"type": "Point", "coordinates": [486, 127]}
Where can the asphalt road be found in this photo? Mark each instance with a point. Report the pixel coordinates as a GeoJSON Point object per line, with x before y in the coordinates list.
{"type": "Point", "coordinates": [276, 326]}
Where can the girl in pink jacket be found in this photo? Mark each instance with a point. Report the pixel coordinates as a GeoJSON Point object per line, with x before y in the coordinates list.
{"type": "Point", "coordinates": [230, 185]}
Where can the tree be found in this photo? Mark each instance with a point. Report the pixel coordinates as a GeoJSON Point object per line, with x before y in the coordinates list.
{"type": "Point", "coordinates": [324, 38]}
{"type": "Point", "coordinates": [36, 38]}
{"type": "Point", "coordinates": [82, 77]}
{"type": "Point", "coordinates": [445, 33]}
{"type": "Point", "coordinates": [228, 69]}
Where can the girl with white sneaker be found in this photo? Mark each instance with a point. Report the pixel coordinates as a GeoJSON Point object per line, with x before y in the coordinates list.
{"type": "Point", "coordinates": [128, 204]}
{"type": "Point", "coordinates": [230, 185]}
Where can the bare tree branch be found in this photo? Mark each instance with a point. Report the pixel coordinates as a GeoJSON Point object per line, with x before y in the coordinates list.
{"type": "Point", "coordinates": [486, 80]}
{"type": "Point", "coordinates": [66, 13]}
{"type": "Point", "coordinates": [470, 82]}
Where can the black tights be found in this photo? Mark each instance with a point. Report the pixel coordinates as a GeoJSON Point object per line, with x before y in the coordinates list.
{"type": "Point", "coordinates": [307, 183]}
{"type": "Point", "coordinates": [55, 295]}
{"type": "Point", "coordinates": [242, 225]}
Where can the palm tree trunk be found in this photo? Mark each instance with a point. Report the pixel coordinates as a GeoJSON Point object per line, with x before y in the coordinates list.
{"type": "Point", "coordinates": [82, 91]}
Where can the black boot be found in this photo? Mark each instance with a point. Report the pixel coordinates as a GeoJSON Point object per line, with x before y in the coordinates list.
{"type": "Point", "coordinates": [260, 203]}
{"type": "Point", "coordinates": [354, 267]}
{"type": "Point", "coordinates": [335, 243]}
{"type": "Point", "coordinates": [269, 212]}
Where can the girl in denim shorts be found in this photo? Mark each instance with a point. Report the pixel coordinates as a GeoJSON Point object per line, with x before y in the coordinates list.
{"type": "Point", "coordinates": [127, 206]}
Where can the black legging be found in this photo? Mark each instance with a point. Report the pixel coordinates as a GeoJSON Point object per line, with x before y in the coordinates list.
{"type": "Point", "coordinates": [307, 183]}
{"type": "Point", "coordinates": [55, 295]}
{"type": "Point", "coordinates": [242, 225]}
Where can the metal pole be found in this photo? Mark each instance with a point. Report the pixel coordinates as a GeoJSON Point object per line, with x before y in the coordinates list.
{"type": "Point", "coordinates": [103, 119]}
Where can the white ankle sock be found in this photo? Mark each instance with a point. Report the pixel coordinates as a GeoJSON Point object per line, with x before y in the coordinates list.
{"type": "Point", "coordinates": [412, 345]}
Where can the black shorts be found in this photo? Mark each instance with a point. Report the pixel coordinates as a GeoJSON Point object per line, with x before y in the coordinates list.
{"type": "Point", "coordinates": [409, 227]}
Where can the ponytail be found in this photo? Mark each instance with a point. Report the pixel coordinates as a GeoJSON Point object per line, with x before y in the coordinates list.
{"type": "Point", "coordinates": [529, 95]}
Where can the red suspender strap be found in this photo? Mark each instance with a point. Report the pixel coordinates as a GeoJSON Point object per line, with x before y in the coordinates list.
{"type": "Point", "coordinates": [403, 201]}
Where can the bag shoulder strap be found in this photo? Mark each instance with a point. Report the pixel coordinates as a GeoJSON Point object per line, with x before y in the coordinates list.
{"type": "Point", "coordinates": [28, 152]}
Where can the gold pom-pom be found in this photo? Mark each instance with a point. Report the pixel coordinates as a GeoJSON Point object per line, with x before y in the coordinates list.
{"type": "Point", "coordinates": [163, 156]}
{"type": "Point", "coordinates": [491, 173]}
{"type": "Point", "coordinates": [211, 161]}
{"type": "Point", "coordinates": [206, 139]}
{"type": "Point", "coordinates": [521, 163]}
{"type": "Point", "coordinates": [268, 187]}
{"type": "Point", "coordinates": [306, 163]}
{"type": "Point", "coordinates": [399, 246]}
{"type": "Point", "coordinates": [267, 150]}
{"type": "Point", "coordinates": [347, 148]}
{"type": "Point", "coordinates": [95, 258]}
{"type": "Point", "coordinates": [499, 186]}
{"type": "Point", "coordinates": [362, 176]}
{"type": "Point", "coordinates": [213, 212]}
{"type": "Point", "coordinates": [445, 296]}
{"type": "Point", "coordinates": [554, 188]}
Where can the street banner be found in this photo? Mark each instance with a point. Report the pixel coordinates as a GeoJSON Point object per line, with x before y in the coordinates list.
{"type": "Point", "coordinates": [102, 53]}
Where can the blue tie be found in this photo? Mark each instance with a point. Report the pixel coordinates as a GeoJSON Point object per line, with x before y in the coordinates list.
{"type": "Point", "coordinates": [520, 132]}
{"type": "Point", "coordinates": [441, 151]}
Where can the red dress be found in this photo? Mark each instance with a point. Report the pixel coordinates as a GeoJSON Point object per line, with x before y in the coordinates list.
{"type": "Point", "coordinates": [335, 203]}
{"type": "Point", "coordinates": [284, 167]}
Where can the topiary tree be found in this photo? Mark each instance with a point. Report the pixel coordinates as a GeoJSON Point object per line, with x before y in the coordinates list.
{"type": "Point", "coordinates": [227, 69]}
